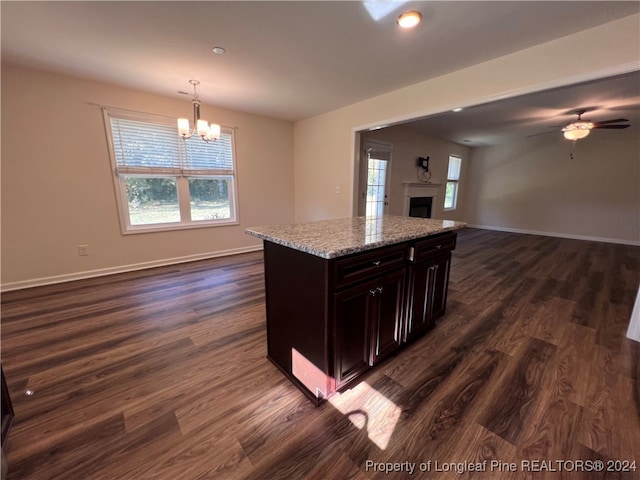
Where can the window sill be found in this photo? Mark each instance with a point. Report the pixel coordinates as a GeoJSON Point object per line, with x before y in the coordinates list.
{"type": "Point", "coordinates": [167, 227]}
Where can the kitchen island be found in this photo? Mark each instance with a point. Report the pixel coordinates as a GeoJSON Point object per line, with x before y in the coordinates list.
{"type": "Point", "coordinates": [342, 295]}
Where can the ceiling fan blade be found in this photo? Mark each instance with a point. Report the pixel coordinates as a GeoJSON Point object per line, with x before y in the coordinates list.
{"type": "Point", "coordinates": [543, 133]}
{"type": "Point", "coordinates": [605, 122]}
{"type": "Point", "coordinates": [611, 126]}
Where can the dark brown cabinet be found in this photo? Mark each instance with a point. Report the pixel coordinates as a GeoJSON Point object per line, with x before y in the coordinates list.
{"type": "Point", "coordinates": [6, 407]}
{"type": "Point", "coordinates": [352, 338]}
{"type": "Point", "coordinates": [368, 320]}
{"type": "Point", "coordinates": [387, 313]}
{"type": "Point", "coordinates": [331, 320]}
{"type": "Point", "coordinates": [428, 280]}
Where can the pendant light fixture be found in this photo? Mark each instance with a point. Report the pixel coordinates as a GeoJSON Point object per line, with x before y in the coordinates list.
{"type": "Point", "coordinates": [201, 127]}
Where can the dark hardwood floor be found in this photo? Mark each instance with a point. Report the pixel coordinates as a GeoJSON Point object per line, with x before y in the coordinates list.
{"type": "Point", "coordinates": [161, 374]}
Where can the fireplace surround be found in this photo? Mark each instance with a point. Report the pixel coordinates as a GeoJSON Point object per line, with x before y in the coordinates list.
{"type": "Point", "coordinates": [418, 192]}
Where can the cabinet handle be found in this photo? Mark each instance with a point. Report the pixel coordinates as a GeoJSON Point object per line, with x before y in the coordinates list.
{"type": "Point", "coordinates": [376, 263]}
{"type": "Point", "coordinates": [376, 291]}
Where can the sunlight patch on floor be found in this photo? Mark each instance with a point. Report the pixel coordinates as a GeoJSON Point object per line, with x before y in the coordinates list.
{"type": "Point", "coordinates": [369, 409]}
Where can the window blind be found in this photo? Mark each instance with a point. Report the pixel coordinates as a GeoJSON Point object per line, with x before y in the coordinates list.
{"type": "Point", "coordinates": [379, 154]}
{"type": "Point", "coordinates": [206, 158]}
{"type": "Point", "coordinates": [154, 148]}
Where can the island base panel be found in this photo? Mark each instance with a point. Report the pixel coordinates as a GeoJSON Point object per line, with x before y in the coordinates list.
{"type": "Point", "coordinates": [297, 339]}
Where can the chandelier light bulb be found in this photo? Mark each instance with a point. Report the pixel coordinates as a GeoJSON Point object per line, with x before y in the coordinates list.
{"type": "Point", "coordinates": [183, 127]}
{"type": "Point", "coordinates": [214, 131]}
{"type": "Point", "coordinates": [203, 128]}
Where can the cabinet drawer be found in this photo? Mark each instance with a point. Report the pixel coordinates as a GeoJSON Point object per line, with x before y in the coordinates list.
{"type": "Point", "coordinates": [366, 265]}
{"type": "Point", "coordinates": [429, 247]}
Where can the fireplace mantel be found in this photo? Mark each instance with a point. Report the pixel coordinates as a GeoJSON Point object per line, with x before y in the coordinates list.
{"type": "Point", "coordinates": [417, 189]}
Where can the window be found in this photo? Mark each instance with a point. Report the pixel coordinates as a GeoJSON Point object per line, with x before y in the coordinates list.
{"type": "Point", "coordinates": [453, 177]}
{"type": "Point", "coordinates": [164, 182]}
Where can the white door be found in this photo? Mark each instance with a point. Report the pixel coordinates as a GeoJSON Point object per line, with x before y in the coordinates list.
{"type": "Point", "coordinates": [375, 187]}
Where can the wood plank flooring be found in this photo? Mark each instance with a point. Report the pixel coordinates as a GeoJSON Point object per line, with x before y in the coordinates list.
{"type": "Point", "coordinates": [161, 374]}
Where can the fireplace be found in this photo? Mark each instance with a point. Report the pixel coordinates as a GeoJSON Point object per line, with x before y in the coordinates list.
{"type": "Point", "coordinates": [420, 207]}
{"type": "Point", "coordinates": [420, 199]}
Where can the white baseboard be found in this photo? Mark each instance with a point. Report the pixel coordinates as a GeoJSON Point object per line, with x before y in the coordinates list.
{"type": "Point", "coordinates": [559, 235]}
{"type": "Point", "coordinates": [38, 282]}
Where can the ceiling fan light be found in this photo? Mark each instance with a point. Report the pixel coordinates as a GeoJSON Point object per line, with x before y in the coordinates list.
{"type": "Point", "coordinates": [583, 125]}
{"type": "Point", "coordinates": [577, 130]}
{"type": "Point", "coordinates": [576, 133]}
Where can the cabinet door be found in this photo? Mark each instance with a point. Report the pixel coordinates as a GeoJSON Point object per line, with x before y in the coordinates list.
{"type": "Point", "coordinates": [428, 294]}
{"type": "Point", "coordinates": [367, 324]}
{"type": "Point", "coordinates": [388, 298]}
{"type": "Point", "coordinates": [352, 310]}
{"type": "Point", "coordinates": [7, 409]}
{"type": "Point", "coordinates": [441, 266]}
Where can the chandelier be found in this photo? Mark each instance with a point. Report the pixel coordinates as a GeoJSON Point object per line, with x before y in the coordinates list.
{"type": "Point", "coordinates": [201, 127]}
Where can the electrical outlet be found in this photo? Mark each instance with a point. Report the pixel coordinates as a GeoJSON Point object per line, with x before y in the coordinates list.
{"type": "Point", "coordinates": [338, 190]}
{"type": "Point", "coordinates": [83, 250]}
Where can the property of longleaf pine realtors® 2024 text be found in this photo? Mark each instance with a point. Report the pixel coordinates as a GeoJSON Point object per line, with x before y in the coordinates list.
{"type": "Point", "coordinates": [498, 466]}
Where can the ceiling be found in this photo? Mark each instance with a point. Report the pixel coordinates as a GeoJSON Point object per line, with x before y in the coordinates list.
{"type": "Point", "coordinates": [541, 113]}
{"type": "Point", "coordinates": [295, 59]}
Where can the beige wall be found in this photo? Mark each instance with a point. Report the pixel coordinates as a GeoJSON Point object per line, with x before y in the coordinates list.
{"type": "Point", "coordinates": [325, 146]}
{"type": "Point", "coordinates": [57, 188]}
{"type": "Point", "coordinates": [535, 185]}
{"type": "Point", "coordinates": [409, 144]}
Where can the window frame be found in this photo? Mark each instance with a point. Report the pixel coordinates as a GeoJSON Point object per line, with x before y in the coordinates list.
{"type": "Point", "coordinates": [182, 179]}
{"type": "Point", "coordinates": [455, 182]}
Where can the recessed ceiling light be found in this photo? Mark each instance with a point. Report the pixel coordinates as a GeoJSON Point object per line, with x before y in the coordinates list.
{"type": "Point", "coordinates": [409, 19]}
{"type": "Point", "coordinates": [219, 50]}
{"type": "Point", "coordinates": [457, 109]}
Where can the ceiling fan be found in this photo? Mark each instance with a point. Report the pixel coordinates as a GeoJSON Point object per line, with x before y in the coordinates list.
{"type": "Point", "coordinates": [581, 128]}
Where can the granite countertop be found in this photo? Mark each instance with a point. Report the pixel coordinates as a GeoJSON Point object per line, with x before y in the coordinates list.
{"type": "Point", "coordinates": [336, 238]}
